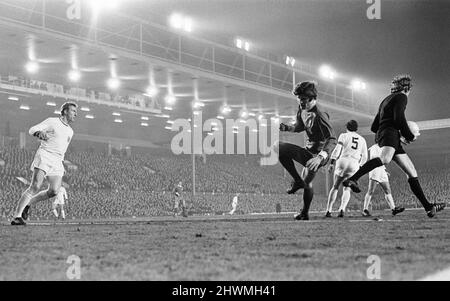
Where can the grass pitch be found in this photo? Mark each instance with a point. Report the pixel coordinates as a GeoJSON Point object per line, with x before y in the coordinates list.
{"type": "Point", "coordinates": [251, 247]}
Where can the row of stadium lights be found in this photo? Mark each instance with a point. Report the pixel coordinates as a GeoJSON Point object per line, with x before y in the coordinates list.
{"type": "Point", "coordinates": [84, 109]}
{"type": "Point", "coordinates": [329, 73]}
{"type": "Point", "coordinates": [170, 99]}
{"type": "Point", "coordinates": [325, 71]}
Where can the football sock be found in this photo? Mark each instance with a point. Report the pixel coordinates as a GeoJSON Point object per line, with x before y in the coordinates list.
{"type": "Point", "coordinates": [344, 199]}
{"type": "Point", "coordinates": [63, 214]}
{"type": "Point", "coordinates": [367, 200]}
{"type": "Point", "coordinates": [23, 202]}
{"type": "Point", "coordinates": [390, 200]}
{"type": "Point", "coordinates": [289, 165]}
{"type": "Point", "coordinates": [308, 194]}
{"type": "Point", "coordinates": [331, 199]}
{"type": "Point", "coordinates": [418, 192]}
{"type": "Point", "coordinates": [366, 168]}
{"type": "Point", "coordinates": [55, 212]}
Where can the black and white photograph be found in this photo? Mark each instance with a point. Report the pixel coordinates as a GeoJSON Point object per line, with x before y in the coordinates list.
{"type": "Point", "coordinates": [242, 143]}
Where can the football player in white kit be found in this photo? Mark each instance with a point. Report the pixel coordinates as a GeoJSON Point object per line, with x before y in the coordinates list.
{"type": "Point", "coordinates": [379, 176]}
{"type": "Point", "coordinates": [59, 201]}
{"type": "Point", "coordinates": [234, 204]}
{"type": "Point", "coordinates": [349, 154]}
{"type": "Point", "coordinates": [55, 134]}
{"type": "Point", "coordinates": [179, 201]}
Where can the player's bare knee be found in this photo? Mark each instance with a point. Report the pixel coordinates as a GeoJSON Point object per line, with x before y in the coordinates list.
{"type": "Point", "coordinates": [34, 187]}
{"type": "Point", "coordinates": [386, 159]}
{"type": "Point", "coordinates": [412, 173]}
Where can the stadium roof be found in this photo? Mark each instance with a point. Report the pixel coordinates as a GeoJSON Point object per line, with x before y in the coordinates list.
{"type": "Point", "coordinates": [143, 49]}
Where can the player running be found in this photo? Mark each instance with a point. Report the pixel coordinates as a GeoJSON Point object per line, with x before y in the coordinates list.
{"type": "Point", "coordinates": [320, 143]}
{"type": "Point", "coordinates": [59, 201]}
{"type": "Point", "coordinates": [379, 176]}
{"type": "Point", "coordinates": [349, 154]}
{"type": "Point", "coordinates": [234, 204]}
{"type": "Point", "coordinates": [389, 125]}
{"type": "Point", "coordinates": [179, 200]}
{"type": "Point", "coordinates": [55, 134]}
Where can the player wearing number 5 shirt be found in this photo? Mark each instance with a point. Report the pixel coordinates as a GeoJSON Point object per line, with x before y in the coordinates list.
{"type": "Point", "coordinates": [349, 154]}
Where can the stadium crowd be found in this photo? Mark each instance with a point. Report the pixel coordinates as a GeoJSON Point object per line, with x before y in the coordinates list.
{"type": "Point", "coordinates": [102, 186]}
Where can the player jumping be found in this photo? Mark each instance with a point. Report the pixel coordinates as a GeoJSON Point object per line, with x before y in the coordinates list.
{"type": "Point", "coordinates": [349, 154]}
{"type": "Point", "coordinates": [389, 125]}
{"type": "Point", "coordinates": [320, 143]}
{"type": "Point", "coordinates": [55, 134]}
{"type": "Point", "coordinates": [379, 176]}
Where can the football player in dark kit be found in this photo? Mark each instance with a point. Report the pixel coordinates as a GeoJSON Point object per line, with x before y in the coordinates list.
{"type": "Point", "coordinates": [389, 125]}
{"type": "Point", "coordinates": [320, 143]}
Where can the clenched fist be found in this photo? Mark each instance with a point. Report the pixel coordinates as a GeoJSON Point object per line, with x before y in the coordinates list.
{"type": "Point", "coordinates": [41, 135]}
{"type": "Point", "coordinates": [285, 127]}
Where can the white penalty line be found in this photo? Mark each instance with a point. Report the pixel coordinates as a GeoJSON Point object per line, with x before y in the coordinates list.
{"type": "Point", "coordinates": [443, 275]}
{"type": "Point", "coordinates": [343, 220]}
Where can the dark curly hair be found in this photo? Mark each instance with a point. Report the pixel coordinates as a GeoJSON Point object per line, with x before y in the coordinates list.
{"type": "Point", "coordinates": [401, 83]}
{"type": "Point", "coordinates": [307, 88]}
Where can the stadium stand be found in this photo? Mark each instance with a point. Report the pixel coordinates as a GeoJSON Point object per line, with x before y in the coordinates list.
{"type": "Point", "coordinates": [104, 186]}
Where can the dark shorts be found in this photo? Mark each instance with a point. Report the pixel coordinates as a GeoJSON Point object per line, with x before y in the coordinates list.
{"type": "Point", "coordinates": [390, 137]}
{"type": "Point", "coordinates": [297, 153]}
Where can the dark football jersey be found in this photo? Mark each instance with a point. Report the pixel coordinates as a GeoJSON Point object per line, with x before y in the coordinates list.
{"type": "Point", "coordinates": [319, 133]}
{"type": "Point", "coordinates": [391, 116]}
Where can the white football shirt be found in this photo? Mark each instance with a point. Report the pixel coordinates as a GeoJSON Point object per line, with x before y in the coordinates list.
{"type": "Point", "coordinates": [62, 194]}
{"type": "Point", "coordinates": [351, 145]}
{"type": "Point", "coordinates": [59, 135]}
{"type": "Point", "coordinates": [234, 202]}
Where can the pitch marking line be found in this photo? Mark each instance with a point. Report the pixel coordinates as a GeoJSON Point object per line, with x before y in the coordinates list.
{"type": "Point", "coordinates": [443, 275]}
{"type": "Point", "coordinates": [104, 223]}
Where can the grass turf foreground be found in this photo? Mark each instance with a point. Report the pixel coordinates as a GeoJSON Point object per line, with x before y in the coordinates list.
{"type": "Point", "coordinates": [274, 247]}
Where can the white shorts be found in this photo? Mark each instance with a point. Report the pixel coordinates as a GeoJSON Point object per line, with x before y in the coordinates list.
{"type": "Point", "coordinates": [58, 201]}
{"type": "Point", "coordinates": [346, 167]}
{"type": "Point", "coordinates": [51, 164]}
{"type": "Point", "coordinates": [178, 201]}
{"type": "Point", "coordinates": [379, 174]}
